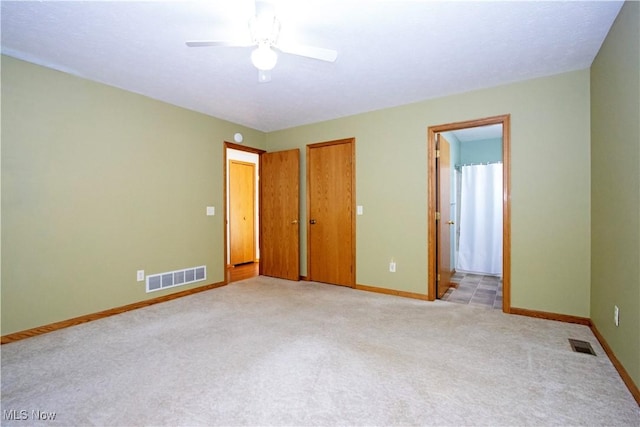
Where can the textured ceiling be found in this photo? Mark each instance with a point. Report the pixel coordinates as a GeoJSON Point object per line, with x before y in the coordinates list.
{"type": "Point", "coordinates": [389, 52]}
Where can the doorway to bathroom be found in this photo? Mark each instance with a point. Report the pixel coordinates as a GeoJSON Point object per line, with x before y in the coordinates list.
{"type": "Point", "coordinates": [469, 212]}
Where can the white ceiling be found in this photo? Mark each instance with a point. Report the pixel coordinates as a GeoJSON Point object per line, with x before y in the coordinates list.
{"type": "Point", "coordinates": [389, 52]}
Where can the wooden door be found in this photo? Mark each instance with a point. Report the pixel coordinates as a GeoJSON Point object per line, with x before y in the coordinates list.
{"type": "Point", "coordinates": [279, 219]}
{"type": "Point", "coordinates": [443, 168]}
{"type": "Point", "coordinates": [330, 212]}
{"type": "Point", "coordinates": [242, 183]}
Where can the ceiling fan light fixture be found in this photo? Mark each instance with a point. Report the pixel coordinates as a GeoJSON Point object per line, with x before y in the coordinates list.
{"type": "Point", "coordinates": [264, 76]}
{"type": "Point", "coordinates": [264, 58]}
{"type": "Point", "coordinates": [264, 29]}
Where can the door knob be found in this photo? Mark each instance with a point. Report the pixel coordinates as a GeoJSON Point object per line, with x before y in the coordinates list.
{"type": "Point", "coordinates": [450, 222]}
{"type": "Point", "coordinates": [313, 221]}
{"type": "Point", "coordinates": [295, 221]}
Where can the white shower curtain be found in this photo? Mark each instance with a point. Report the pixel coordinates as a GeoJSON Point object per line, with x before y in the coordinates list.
{"type": "Point", "coordinates": [480, 247]}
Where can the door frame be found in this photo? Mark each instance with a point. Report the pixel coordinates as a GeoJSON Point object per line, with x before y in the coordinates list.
{"type": "Point", "coordinates": [225, 196]}
{"type": "Point", "coordinates": [352, 142]}
{"type": "Point", "coordinates": [505, 121]}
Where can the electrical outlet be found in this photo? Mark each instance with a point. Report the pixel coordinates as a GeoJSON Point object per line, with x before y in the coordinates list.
{"type": "Point", "coordinates": [616, 315]}
{"type": "Point", "coordinates": [392, 266]}
{"type": "Point", "coordinates": [140, 276]}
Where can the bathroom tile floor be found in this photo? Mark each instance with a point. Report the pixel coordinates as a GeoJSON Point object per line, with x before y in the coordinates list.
{"type": "Point", "coordinates": [475, 289]}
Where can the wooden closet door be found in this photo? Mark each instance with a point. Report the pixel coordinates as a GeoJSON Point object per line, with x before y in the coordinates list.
{"type": "Point", "coordinates": [242, 212]}
{"type": "Point", "coordinates": [331, 226]}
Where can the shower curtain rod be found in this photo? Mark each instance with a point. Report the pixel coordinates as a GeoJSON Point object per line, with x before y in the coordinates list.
{"type": "Point", "coordinates": [477, 164]}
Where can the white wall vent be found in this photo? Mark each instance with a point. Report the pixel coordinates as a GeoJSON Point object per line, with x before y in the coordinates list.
{"type": "Point", "coordinates": [171, 279]}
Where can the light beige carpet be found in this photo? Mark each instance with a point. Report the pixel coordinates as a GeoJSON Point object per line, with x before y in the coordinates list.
{"type": "Point", "coordinates": [270, 352]}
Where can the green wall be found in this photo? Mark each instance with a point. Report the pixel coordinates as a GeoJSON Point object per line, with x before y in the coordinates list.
{"type": "Point", "coordinates": [96, 184]}
{"type": "Point", "coordinates": [481, 151]}
{"type": "Point", "coordinates": [550, 219]}
{"type": "Point", "coordinates": [615, 193]}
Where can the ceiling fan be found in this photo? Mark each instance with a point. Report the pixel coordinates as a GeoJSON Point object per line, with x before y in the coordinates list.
{"type": "Point", "coordinates": [264, 29]}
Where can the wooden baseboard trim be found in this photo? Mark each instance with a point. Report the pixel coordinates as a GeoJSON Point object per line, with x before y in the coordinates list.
{"type": "Point", "coordinates": [626, 378]}
{"type": "Point", "coordinates": [17, 336]}
{"type": "Point", "coordinates": [392, 292]}
{"type": "Point", "coordinates": [551, 316]}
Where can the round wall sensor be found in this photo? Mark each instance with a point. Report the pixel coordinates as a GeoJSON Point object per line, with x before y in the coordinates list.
{"type": "Point", "coordinates": [237, 137]}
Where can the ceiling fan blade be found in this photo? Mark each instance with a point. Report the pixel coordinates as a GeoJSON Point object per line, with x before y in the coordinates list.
{"type": "Point", "coordinates": [312, 52]}
{"type": "Point", "coordinates": [207, 43]}
{"type": "Point", "coordinates": [264, 76]}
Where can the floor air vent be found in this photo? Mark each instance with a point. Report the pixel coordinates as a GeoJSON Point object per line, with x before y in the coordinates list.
{"type": "Point", "coordinates": [581, 347]}
{"type": "Point", "coordinates": [171, 279]}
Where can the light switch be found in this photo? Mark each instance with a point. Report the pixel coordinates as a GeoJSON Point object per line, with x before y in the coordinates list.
{"type": "Point", "coordinates": [359, 209]}
{"type": "Point", "coordinates": [211, 210]}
